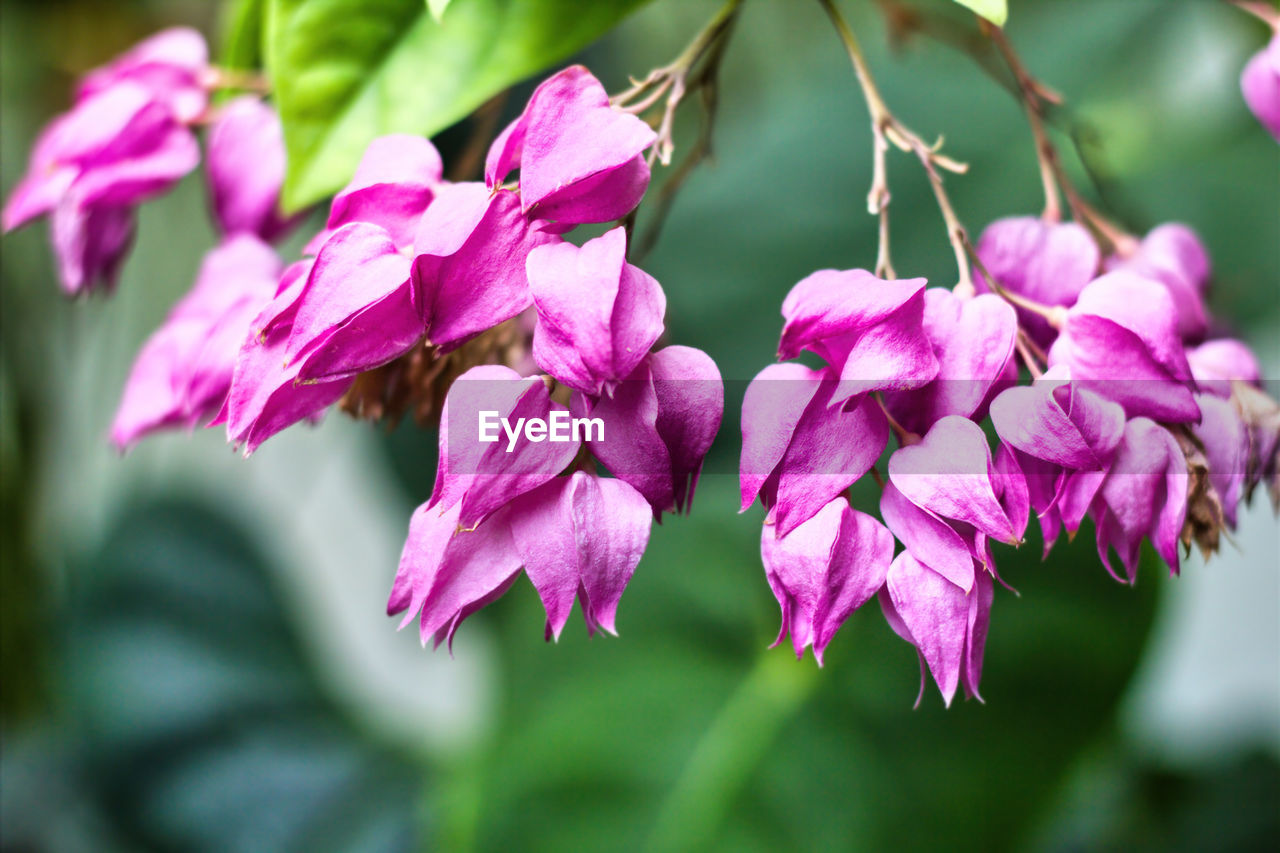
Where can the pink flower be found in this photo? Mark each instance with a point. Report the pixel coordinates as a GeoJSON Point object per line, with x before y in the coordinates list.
{"type": "Point", "coordinates": [183, 372]}
{"type": "Point", "coordinates": [1173, 255]}
{"type": "Point", "coordinates": [1260, 83]}
{"type": "Point", "coordinates": [597, 314]}
{"type": "Point", "coordinates": [823, 570]}
{"type": "Point", "coordinates": [579, 158]}
{"type": "Point", "coordinates": [245, 165]}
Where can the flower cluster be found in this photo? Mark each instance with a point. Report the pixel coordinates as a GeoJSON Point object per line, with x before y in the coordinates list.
{"type": "Point", "coordinates": [1134, 418]}
{"type": "Point", "coordinates": [127, 138]}
{"type": "Point", "coordinates": [410, 268]}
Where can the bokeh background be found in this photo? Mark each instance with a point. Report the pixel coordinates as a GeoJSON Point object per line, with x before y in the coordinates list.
{"type": "Point", "coordinates": [195, 655]}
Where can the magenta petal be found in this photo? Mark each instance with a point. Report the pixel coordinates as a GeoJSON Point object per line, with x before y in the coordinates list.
{"type": "Point", "coordinates": [929, 539]}
{"type": "Point", "coordinates": [375, 335]}
{"type": "Point", "coordinates": [597, 315]}
{"type": "Point", "coordinates": [182, 374]}
{"type": "Point", "coordinates": [936, 613]}
{"type": "Point", "coordinates": [357, 267]}
{"type": "Point", "coordinates": [604, 197]}
{"type": "Point", "coordinates": [572, 135]}
{"type": "Point", "coordinates": [504, 153]}
{"type": "Point", "coordinates": [972, 340]}
{"type": "Point", "coordinates": [823, 570]}
{"type": "Point", "coordinates": [1029, 418]}
{"type": "Point", "coordinates": [976, 641]}
{"type": "Point", "coordinates": [869, 329]}
{"type": "Point", "coordinates": [1047, 262]}
{"type": "Point", "coordinates": [1012, 490]}
{"type": "Point", "coordinates": [1260, 83]}
{"type": "Point", "coordinates": [1215, 364]}
{"type": "Point", "coordinates": [1226, 448]}
{"type": "Point", "coordinates": [169, 66]}
{"type": "Point", "coordinates": [949, 474]}
{"type": "Point", "coordinates": [245, 165]}
{"type": "Point", "coordinates": [486, 475]}
{"type": "Point", "coordinates": [471, 248]}
{"type": "Point", "coordinates": [394, 183]}
{"type": "Point", "coordinates": [90, 244]}
{"type": "Point", "coordinates": [830, 450]}
{"type": "Point", "coordinates": [581, 533]}
{"type": "Point", "coordinates": [690, 397]}
{"type": "Point", "coordinates": [772, 407]}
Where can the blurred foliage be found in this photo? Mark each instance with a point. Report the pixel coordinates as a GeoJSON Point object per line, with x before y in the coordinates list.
{"type": "Point", "coordinates": [156, 695]}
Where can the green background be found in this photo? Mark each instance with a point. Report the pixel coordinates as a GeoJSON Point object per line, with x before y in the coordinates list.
{"type": "Point", "coordinates": [195, 655]}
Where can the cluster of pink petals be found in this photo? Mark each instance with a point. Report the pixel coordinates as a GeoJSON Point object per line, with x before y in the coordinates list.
{"type": "Point", "coordinates": [127, 138]}
{"type": "Point", "coordinates": [1131, 394]}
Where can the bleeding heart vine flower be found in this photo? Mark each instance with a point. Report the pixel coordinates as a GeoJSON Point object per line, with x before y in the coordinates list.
{"type": "Point", "coordinates": [1260, 83]}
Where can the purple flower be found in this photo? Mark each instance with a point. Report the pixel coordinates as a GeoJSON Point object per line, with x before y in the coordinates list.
{"type": "Point", "coordinates": [869, 330]}
{"type": "Point", "coordinates": [578, 536]}
{"type": "Point", "coordinates": [823, 570]}
{"type": "Point", "coordinates": [245, 165]}
{"type": "Point", "coordinates": [947, 626]}
{"type": "Point", "coordinates": [973, 341]}
{"type": "Point", "coordinates": [266, 395]}
{"type": "Point", "coordinates": [182, 374]}
{"type": "Point", "coordinates": [1226, 441]}
{"type": "Point", "coordinates": [579, 158]}
{"type": "Point", "coordinates": [658, 425]}
{"type": "Point", "coordinates": [597, 314]}
{"type": "Point", "coordinates": [469, 266]}
{"type": "Point", "coordinates": [357, 309]}
{"type": "Point", "coordinates": [1143, 495]}
{"type": "Point", "coordinates": [1260, 83]}
{"type": "Point", "coordinates": [395, 182]}
{"type": "Point", "coordinates": [1173, 255]}
{"type": "Point", "coordinates": [482, 476]}
{"type": "Point", "coordinates": [950, 474]}
{"type": "Point", "coordinates": [1063, 438]}
{"type": "Point", "coordinates": [1216, 364]}
{"type": "Point", "coordinates": [1121, 340]}
{"type": "Point", "coordinates": [800, 449]}
{"type": "Point", "coordinates": [171, 65]}
{"type": "Point", "coordinates": [89, 167]}
{"type": "Point", "coordinates": [1047, 262]}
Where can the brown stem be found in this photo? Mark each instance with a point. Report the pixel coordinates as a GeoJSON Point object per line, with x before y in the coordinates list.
{"type": "Point", "coordinates": [886, 129]}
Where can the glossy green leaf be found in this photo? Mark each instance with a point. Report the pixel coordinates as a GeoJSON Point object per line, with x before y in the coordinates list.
{"type": "Point", "coordinates": [995, 11]}
{"type": "Point", "coordinates": [346, 71]}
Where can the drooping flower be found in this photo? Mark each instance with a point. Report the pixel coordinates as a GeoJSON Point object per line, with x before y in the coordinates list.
{"type": "Point", "coordinates": [659, 424]}
{"type": "Point", "coordinates": [1121, 340]}
{"type": "Point", "coordinates": [1063, 438]}
{"type": "Point", "coordinates": [597, 314]}
{"type": "Point", "coordinates": [947, 626]}
{"type": "Point", "coordinates": [1225, 439]}
{"type": "Point", "coordinates": [577, 536]}
{"type": "Point", "coordinates": [1049, 263]}
{"type": "Point", "coordinates": [823, 570]}
{"type": "Point", "coordinates": [582, 536]}
{"type": "Point", "coordinates": [1217, 364]}
{"type": "Point", "coordinates": [1144, 495]}
{"type": "Point", "coordinates": [469, 251]}
{"type": "Point", "coordinates": [1260, 83]}
{"type": "Point", "coordinates": [869, 330]}
{"type": "Point", "coordinates": [183, 372]}
{"type": "Point", "coordinates": [245, 162]}
{"type": "Point", "coordinates": [266, 395]}
{"type": "Point", "coordinates": [89, 167]}
{"type": "Point", "coordinates": [973, 342]}
{"type": "Point", "coordinates": [1173, 255]}
{"type": "Point", "coordinates": [800, 448]}
{"type": "Point", "coordinates": [579, 158]}
{"type": "Point", "coordinates": [482, 476]}
{"type": "Point", "coordinates": [171, 65]}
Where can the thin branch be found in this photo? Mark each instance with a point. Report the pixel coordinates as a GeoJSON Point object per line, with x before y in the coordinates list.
{"type": "Point", "coordinates": [886, 129]}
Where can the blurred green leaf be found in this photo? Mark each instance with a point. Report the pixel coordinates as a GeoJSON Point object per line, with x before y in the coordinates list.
{"type": "Point", "coordinates": [242, 34]}
{"type": "Point", "coordinates": [437, 7]}
{"type": "Point", "coordinates": [347, 71]}
{"type": "Point", "coordinates": [995, 11]}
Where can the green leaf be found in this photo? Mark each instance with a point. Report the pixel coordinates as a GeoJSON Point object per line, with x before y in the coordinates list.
{"type": "Point", "coordinates": [437, 7]}
{"type": "Point", "coordinates": [241, 28]}
{"type": "Point", "coordinates": [995, 11]}
{"type": "Point", "coordinates": [347, 71]}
